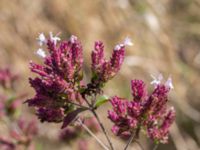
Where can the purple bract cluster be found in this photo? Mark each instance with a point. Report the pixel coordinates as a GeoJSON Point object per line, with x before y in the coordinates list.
{"type": "Point", "coordinates": [60, 82]}
{"type": "Point", "coordinates": [143, 112]}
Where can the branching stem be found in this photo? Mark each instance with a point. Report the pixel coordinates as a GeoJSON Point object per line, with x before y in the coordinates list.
{"type": "Point", "coordinates": [133, 136]}
{"type": "Point", "coordinates": [103, 129]}
{"type": "Point", "coordinates": [93, 135]}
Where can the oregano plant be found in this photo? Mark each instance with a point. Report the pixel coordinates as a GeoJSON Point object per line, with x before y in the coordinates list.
{"type": "Point", "coordinates": [61, 94]}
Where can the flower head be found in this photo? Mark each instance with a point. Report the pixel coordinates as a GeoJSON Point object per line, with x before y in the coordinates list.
{"type": "Point", "coordinates": [104, 70]}
{"type": "Point", "coordinates": [149, 112]}
{"type": "Point", "coordinates": [54, 84]}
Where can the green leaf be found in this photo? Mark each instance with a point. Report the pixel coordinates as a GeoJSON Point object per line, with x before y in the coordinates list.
{"type": "Point", "coordinates": [101, 100]}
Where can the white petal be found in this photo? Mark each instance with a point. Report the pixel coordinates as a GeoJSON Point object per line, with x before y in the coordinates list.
{"type": "Point", "coordinates": [40, 52]}
{"type": "Point", "coordinates": [160, 77]}
{"type": "Point", "coordinates": [54, 38]}
{"type": "Point", "coordinates": [117, 47]}
{"type": "Point", "coordinates": [41, 39]}
{"type": "Point", "coordinates": [127, 41]}
{"type": "Point", "coordinates": [156, 80]}
{"type": "Point", "coordinates": [73, 39]}
{"type": "Point", "coordinates": [169, 84]}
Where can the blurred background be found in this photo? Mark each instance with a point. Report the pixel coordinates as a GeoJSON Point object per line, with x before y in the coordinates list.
{"type": "Point", "coordinates": [166, 36]}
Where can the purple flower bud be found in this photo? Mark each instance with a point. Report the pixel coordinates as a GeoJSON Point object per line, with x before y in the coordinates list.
{"type": "Point", "coordinates": [117, 59]}
{"type": "Point", "coordinates": [98, 57]}
{"type": "Point", "coordinates": [115, 129]}
{"type": "Point", "coordinates": [139, 90]}
{"type": "Point", "coordinates": [113, 116]}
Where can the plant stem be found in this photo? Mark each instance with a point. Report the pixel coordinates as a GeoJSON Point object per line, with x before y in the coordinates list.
{"type": "Point", "coordinates": [103, 129]}
{"type": "Point", "coordinates": [155, 147]}
{"type": "Point", "coordinates": [93, 135]}
{"type": "Point", "coordinates": [142, 148]}
{"type": "Point", "coordinates": [135, 134]}
{"type": "Point", "coordinates": [130, 141]}
{"type": "Point", "coordinates": [99, 122]}
{"type": "Point", "coordinates": [79, 105]}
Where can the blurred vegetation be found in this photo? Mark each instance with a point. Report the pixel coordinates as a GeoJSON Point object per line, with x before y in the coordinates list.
{"type": "Point", "coordinates": [166, 37]}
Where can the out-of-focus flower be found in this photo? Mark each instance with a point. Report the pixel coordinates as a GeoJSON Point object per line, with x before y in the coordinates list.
{"type": "Point", "coordinates": [7, 79]}
{"type": "Point", "coordinates": [9, 105]}
{"type": "Point", "coordinates": [21, 134]}
{"type": "Point", "coordinates": [148, 112]}
{"type": "Point", "coordinates": [6, 144]}
{"type": "Point", "coordinates": [69, 134]}
{"type": "Point", "coordinates": [83, 144]}
{"type": "Point", "coordinates": [92, 124]}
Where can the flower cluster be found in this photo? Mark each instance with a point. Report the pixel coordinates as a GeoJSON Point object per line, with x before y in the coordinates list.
{"type": "Point", "coordinates": [104, 70]}
{"type": "Point", "coordinates": [59, 87]}
{"type": "Point", "coordinates": [146, 112]}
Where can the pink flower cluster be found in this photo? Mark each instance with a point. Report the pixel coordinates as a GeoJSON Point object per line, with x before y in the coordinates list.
{"type": "Point", "coordinates": [60, 81]}
{"type": "Point", "coordinates": [143, 112]}
{"type": "Point", "coordinates": [102, 69]}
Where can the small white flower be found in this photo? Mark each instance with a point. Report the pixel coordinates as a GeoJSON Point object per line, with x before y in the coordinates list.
{"type": "Point", "coordinates": [40, 52]}
{"type": "Point", "coordinates": [127, 41]}
{"type": "Point", "coordinates": [41, 39]}
{"type": "Point", "coordinates": [54, 38]}
{"type": "Point", "coordinates": [156, 80]}
{"type": "Point", "coordinates": [117, 47]}
{"type": "Point", "coordinates": [73, 39]}
{"type": "Point", "coordinates": [169, 84]}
